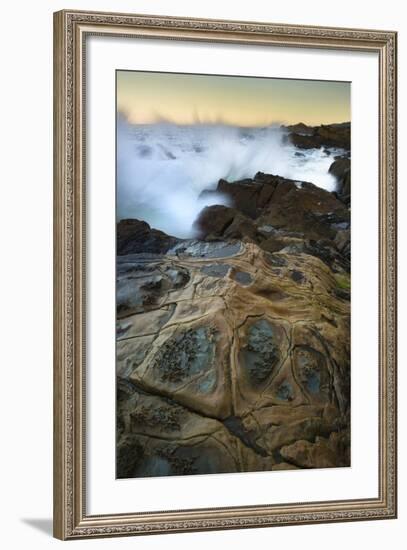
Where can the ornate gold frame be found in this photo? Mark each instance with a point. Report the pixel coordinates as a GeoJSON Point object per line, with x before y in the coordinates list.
{"type": "Point", "coordinates": [70, 31]}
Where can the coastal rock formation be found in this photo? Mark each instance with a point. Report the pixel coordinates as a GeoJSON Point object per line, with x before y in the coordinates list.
{"type": "Point", "coordinates": [280, 214]}
{"type": "Point", "coordinates": [135, 236]}
{"type": "Point", "coordinates": [326, 135]}
{"type": "Point", "coordinates": [340, 168]}
{"type": "Point", "coordinates": [293, 206]}
{"type": "Point", "coordinates": [233, 350]}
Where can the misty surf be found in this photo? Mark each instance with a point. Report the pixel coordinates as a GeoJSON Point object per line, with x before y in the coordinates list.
{"type": "Point", "coordinates": [163, 168]}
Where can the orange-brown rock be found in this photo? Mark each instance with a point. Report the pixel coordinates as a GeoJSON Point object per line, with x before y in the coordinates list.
{"type": "Point", "coordinates": [231, 358]}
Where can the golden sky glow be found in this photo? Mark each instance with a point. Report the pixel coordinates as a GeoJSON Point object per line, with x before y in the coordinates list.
{"type": "Point", "coordinates": [147, 97]}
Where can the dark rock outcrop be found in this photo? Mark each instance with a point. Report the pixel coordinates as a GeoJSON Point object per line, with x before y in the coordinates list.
{"type": "Point", "coordinates": [135, 236]}
{"type": "Point", "coordinates": [301, 129]}
{"type": "Point", "coordinates": [280, 214]}
{"type": "Point", "coordinates": [286, 204]}
{"type": "Point", "coordinates": [225, 222]}
{"type": "Point", "coordinates": [328, 136]}
{"type": "Point", "coordinates": [340, 168]}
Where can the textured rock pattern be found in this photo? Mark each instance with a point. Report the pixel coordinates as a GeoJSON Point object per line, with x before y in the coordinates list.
{"type": "Point", "coordinates": [233, 354]}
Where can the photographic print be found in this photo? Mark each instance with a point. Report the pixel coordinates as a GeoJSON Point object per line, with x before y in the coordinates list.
{"type": "Point", "coordinates": [233, 274]}
{"type": "Point", "coordinates": [204, 293]}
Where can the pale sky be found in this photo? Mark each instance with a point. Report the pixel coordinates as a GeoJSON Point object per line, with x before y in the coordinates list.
{"type": "Point", "coordinates": [148, 97]}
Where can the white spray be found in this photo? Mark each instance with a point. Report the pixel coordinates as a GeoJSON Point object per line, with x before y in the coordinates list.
{"type": "Point", "coordinates": [163, 168]}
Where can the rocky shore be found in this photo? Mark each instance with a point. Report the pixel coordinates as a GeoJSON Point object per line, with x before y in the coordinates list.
{"type": "Point", "coordinates": [233, 349]}
{"type": "Point", "coordinates": [326, 135]}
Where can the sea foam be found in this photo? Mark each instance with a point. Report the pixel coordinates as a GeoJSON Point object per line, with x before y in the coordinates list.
{"type": "Point", "coordinates": [163, 168]}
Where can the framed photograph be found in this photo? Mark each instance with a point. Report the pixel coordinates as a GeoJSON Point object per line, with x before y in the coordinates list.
{"type": "Point", "coordinates": [225, 274]}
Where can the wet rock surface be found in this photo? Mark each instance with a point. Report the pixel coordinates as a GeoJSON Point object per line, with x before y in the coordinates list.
{"type": "Point", "coordinates": [340, 168]}
{"type": "Point", "coordinates": [281, 215]}
{"type": "Point", "coordinates": [233, 349]}
{"type": "Point", "coordinates": [135, 236]}
{"type": "Point", "coordinates": [329, 136]}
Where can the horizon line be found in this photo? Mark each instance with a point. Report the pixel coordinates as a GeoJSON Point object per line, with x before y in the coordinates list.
{"type": "Point", "coordinates": [165, 121]}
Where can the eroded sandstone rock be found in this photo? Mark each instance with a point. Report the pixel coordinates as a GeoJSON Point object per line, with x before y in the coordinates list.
{"type": "Point", "coordinates": [233, 349]}
{"type": "Point", "coordinates": [228, 355]}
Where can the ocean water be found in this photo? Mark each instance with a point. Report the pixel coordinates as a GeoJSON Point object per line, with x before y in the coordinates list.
{"type": "Point", "coordinates": [163, 168]}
